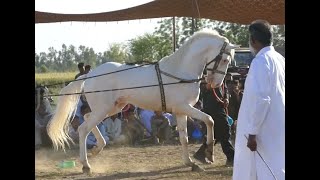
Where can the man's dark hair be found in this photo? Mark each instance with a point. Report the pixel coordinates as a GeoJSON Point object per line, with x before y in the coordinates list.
{"type": "Point", "coordinates": [235, 82]}
{"type": "Point", "coordinates": [260, 30]}
{"type": "Point", "coordinates": [85, 108]}
{"type": "Point", "coordinates": [80, 65]}
{"type": "Point", "coordinates": [87, 67]}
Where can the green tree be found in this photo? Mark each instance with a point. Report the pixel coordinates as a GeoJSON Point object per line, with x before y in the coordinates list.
{"type": "Point", "coordinates": [116, 53]}
{"type": "Point", "coordinates": [43, 68]}
{"type": "Point", "coordinates": [279, 36]}
{"type": "Point", "coordinates": [185, 27]}
{"type": "Point", "coordinates": [87, 56]}
{"type": "Point", "coordinates": [165, 32]}
{"type": "Point", "coordinates": [42, 58]}
{"type": "Point", "coordinates": [149, 47]}
{"type": "Point", "coordinates": [37, 60]}
{"type": "Point", "coordinates": [189, 26]}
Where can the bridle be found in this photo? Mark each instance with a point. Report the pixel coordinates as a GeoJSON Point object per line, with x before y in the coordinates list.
{"type": "Point", "coordinates": [217, 60]}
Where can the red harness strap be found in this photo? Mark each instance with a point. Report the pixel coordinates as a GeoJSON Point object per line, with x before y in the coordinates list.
{"type": "Point", "coordinates": [215, 94]}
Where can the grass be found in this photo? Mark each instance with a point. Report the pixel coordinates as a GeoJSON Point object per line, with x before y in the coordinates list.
{"type": "Point", "coordinates": [54, 78]}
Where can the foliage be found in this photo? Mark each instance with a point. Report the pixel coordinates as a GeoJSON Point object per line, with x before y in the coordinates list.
{"type": "Point", "coordinates": [148, 47]}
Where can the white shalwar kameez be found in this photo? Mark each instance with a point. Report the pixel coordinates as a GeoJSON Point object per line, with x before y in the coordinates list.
{"type": "Point", "coordinates": [262, 113]}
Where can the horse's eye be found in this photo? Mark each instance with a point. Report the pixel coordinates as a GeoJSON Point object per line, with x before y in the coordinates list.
{"type": "Point", "coordinates": [225, 61]}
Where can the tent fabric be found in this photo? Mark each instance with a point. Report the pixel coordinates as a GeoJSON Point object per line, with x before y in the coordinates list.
{"type": "Point", "coordinates": [234, 11]}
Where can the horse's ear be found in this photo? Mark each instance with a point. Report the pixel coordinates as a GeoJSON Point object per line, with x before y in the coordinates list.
{"type": "Point", "coordinates": [232, 46]}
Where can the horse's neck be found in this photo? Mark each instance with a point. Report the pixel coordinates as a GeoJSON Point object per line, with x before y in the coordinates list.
{"type": "Point", "coordinates": [190, 62]}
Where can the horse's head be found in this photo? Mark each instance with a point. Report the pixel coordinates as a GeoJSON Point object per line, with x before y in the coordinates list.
{"type": "Point", "coordinates": [218, 60]}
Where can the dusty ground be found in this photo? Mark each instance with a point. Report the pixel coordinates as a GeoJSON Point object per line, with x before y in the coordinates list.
{"type": "Point", "coordinates": [131, 163]}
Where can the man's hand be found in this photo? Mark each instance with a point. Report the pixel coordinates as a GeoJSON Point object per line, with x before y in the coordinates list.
{"type": "Point", "coordinates": [226, 103]}
{"type": "Point", "coordinates": [252, 143]}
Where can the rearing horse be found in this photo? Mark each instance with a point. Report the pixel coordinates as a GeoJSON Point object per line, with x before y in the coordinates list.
{"type": "Point", "coordinates": [204, 50]}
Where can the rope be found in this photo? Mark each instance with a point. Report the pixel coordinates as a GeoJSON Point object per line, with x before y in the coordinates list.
{"type": "Point", "coordinates": [100, 74]}
{"type": "Point", "coordinates": [118, 89]}
{"type": "Point", "coordinates": [198, 9]}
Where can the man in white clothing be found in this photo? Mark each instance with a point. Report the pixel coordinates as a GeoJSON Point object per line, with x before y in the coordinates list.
{"type": "Point", "coordinates": [113, 129]}
{"type": "Point", "coordinates": [261, 119]}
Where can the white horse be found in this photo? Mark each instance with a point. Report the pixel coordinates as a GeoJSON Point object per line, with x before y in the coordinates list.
{"type": "Point", "coordinates": [200, 52]}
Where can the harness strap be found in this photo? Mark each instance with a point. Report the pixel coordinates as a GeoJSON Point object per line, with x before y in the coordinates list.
{"type": "Point", "coordinates": [163, 98]}
{"type": "Point", "coordinates": [180, 79]}
{"type": "Point", "coordinates": [217, 60]}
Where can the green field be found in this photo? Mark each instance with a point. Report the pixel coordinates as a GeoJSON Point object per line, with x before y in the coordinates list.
{"type": "Point", "coordinates": [54, 78]}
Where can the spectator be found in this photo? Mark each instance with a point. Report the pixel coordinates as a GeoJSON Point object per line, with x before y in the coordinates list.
{"type": "Point", "coordinates": [160, 128]}
{"type": "Point", "coordinates": [215, 102]}
{"type": "Point", "coordinates": [113, 129]}
{"type": "Point", "coordinates": [43, 114]}
{"type": "Point", "coordinates": [81, 70]}
{"type": "Point", "coordinates": [145, 117]}
{"type": "Point", "coordinates": [133, 129]}
{"type": "Point", "coordinates": [87, 69]}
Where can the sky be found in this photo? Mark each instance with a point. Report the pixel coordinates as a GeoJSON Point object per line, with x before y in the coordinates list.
{"type": "Point", "coordinates": [90, 34]}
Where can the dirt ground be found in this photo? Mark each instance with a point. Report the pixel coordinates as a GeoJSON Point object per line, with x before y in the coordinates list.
{"type": "Point", "coordinates": [131, 163]}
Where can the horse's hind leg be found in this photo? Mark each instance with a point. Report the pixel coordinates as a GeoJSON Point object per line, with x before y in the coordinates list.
{"type": "Point", "coordinates": [84, 129]}
{"type": "Point", "coordinates": [101, 143]}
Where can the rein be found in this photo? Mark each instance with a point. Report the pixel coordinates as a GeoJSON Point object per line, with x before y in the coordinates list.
{"type": "Point", "coordinates": [217, 97]}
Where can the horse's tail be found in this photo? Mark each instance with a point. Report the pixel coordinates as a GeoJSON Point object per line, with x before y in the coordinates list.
{"type": "Point", "coordinates": [58, 127]}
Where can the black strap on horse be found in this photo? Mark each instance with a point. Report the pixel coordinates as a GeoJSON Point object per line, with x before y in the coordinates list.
{"type": "Point", "coordinates": [163, 98]}
{"type": "Point", "coordinates": [181, 79]}
{"type": "Point", "coordinates": [217, 60]}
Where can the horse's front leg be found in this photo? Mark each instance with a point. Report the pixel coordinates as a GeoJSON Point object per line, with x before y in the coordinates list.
{"type": "Point", "coordinates": [183, 135]}
{"type": "Point", "coordinates": [197, 114]}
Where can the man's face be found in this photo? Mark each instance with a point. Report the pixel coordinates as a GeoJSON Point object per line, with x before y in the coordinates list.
{"type": "Point", "coordinates": [81, 69]}
{"type": "Point", "coordinates": [75, 123]}
{"type": "Point", "coordinates": [235, 87]}
{"type": "Point", "coordinates": [252, 47]}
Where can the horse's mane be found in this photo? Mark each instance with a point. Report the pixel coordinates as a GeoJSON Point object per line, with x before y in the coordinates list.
{"type": "Point", "coordinates": [185, 47]}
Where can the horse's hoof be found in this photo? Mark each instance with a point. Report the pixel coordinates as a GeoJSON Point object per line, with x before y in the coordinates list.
{"type": "Point", "coordinates": [197, 168]}
{"type": "Point", "coordinates": [94, 151]}
{"type": "Point", "coordinates": [208, 161]}
{"type": "Point", "coordinates": [86, 170]}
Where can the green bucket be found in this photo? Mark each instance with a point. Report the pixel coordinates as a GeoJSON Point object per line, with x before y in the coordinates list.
{"type": "Point", "coordinates": [67, 164]}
